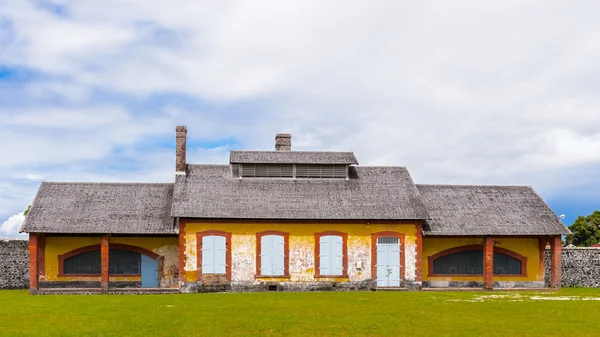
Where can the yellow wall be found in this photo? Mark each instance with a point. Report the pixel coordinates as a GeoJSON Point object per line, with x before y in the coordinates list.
{"type": "Point", "coordinates": [164, 246]}
{"type": "Point", "coordinates": [527, 247]}
{"type": "Point", "coordinates": [302, 246]}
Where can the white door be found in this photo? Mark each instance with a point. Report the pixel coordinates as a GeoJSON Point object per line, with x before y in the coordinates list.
{"type": "Point", "coordinates": [213, 255]}
{"type": "Point", "coordinates": [388, 262]}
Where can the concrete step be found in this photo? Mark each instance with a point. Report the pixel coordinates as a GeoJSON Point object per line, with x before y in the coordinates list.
{"type": "Point", "coordinates": [389, 289]}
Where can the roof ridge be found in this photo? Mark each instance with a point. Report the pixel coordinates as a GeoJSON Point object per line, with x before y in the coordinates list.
{"type": "Point", "coordinates": [103, 183]}
{"type": "Point", "coordinates": [473, 185]}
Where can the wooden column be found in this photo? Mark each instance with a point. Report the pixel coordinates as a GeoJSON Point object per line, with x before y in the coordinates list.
{"type": "Point", "coordinates": [33, 262]}
{"type": "Point", "coordinates": [104, 262]}
{"type": "Point", "coordinates": [555, 262]}
{"type": "Point", "coordinates": [488, 263]}
{"type": "Point", "coordinates": [542, 259]}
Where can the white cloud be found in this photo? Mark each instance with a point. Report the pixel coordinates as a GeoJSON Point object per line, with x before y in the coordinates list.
{"type": "Point", "coordinates": [10, 228]}
{"type": "Point", "coordinates": [459, 92]}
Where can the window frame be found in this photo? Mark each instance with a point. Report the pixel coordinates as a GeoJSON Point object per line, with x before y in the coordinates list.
{"type": "Point", "coordinates": [116, 246]}
{"type": "Point", "coordinates": [344, 237]}
{"type": "Point", "coordinates": [459, 249]}
{"type": "Point", "coordinates": [286, 253]}
{"type": "Point", "coordinates": [199, 236]}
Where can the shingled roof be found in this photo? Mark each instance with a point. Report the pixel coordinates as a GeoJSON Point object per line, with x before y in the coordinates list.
{"type": "Point", "coordinates": [291, 157]}
{"type": "Point", "coordinates": [111, 208]}
{"type": "Point", "coordinates": [375, 193]}
{"type": "Point", "coordinates": [487, 210]}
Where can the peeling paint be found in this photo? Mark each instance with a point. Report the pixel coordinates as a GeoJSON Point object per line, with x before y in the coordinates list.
{"type": "Point", "coordinates": [190, 253]}
{"type": "Point", "coordinates": [410, 272]}
{"type": "Point", "coordinates": [243, 258]}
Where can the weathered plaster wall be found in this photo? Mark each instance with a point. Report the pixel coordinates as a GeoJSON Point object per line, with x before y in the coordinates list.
{"type": "Point", "coordinates": [14, 264]}
{"type": "Point", "coordinates": [58, 245]}
{"type": "Point", "coordinates": [527, 247]}
{"type": "Point", "coordinates": [580, 267]}
{"type": "Point", "coordinates": [302, 250]}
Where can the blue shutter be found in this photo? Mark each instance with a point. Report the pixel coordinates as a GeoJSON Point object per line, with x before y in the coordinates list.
{"type": "Point", "coordinates": [331, 255]}
{"type": "Point", "coordinates": [266, 252]}
{"type": "Point", "coordinates": [208, 255]}
{"type": "Point", "coordinates": [337, 256]}
{"type": "Point", "coordinates": [272, 255]}
{"type": "Point", "coordinates": [214, 251]}
{"type": "Point", "coordinates": [278, 257]}
{"type": "Point", "coordinates": [220, 255]}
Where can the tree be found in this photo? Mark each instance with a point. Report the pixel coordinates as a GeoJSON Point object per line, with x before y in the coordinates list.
{"type": "Point", "coordinates": [586, 230]}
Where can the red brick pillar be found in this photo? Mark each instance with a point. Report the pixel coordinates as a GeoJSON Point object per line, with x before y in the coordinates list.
{"type": "Point", "coordinates": [488, 263]}
{"type": "Point", "coordinates": [33, 262]}
{"type": "Point", "coordinates": [104, 262]}
{"type": "Point", "coordinates": [181, 262]}
{"type": "Point", "coordinates": [542, 258]}
{"type": "Point", "coordinates": [555, 262]}
{"type": "Point", "coordinates": [419, 252]}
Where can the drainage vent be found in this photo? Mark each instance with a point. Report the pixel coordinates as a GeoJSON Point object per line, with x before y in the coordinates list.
{"type": "Point", "coordinates": [272, 288]}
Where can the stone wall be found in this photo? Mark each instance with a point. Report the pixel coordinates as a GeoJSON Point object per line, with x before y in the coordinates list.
{"type": "Point", "coordinates": [14, 264]}
{"type": "Point", "coordinates": [580, 267]}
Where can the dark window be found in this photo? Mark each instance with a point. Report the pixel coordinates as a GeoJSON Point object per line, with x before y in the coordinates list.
{"type": "Point", "coordinates": [124, 262]}
{"type": "Point", "coordinates": [121, 262]}
{"type": "Point", "coordinates": [470, 262]}
{"type": "Point", "coordinates": [84, 263]}
{"type": "Point", "coordinates": [506, 264]}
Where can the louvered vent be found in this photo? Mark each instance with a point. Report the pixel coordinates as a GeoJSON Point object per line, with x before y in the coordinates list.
{"type": "Point", "coordinates": [292, 171]}
{"type": "Point", "coordinates": [268, 170]}
{"type": "Point", "coordinates": [320, 171]}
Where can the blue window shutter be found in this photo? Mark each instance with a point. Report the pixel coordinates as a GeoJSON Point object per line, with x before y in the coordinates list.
{"type": "Point", "coordinates": [337, 255]}
{"type": "Point", "coordinates": [208, 255]}
{"type": "Point", "coordinates": [214, 251]}
{"type": "Point", "coordinates": [278, 257]}
{"type": "Point", "coordinates": [272, 255]}
{"type": "Point", "coordinates": [220, 255]}
{"type": "Point", "coordinates": [266, 252]}
{"type": "Point", "coordinates": [325, 257]}
{"type": "Point", "coordinates": [331, 255]}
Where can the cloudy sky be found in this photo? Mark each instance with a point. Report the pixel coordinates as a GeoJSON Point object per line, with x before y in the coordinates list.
{"type": "Point", "coordinates": [466, 92]}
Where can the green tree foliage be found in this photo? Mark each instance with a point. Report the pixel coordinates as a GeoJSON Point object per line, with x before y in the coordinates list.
{"type": "Point", "coordinates": [27, 210]}
{"type": "Point", "coordinates": [586, 230]}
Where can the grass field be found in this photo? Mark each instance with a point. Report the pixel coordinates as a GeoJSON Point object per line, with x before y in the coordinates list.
{"type": "Point", "coordinates": [572, 312]}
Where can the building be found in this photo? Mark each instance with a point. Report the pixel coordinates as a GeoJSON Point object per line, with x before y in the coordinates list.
{"type": "Point", "coordinates": [288, 220]}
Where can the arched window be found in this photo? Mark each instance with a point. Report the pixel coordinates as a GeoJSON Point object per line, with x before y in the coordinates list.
{"type": "Point", "coordinates": [468, 260]}
{"type": "Point", "coordinates": [123, 260]}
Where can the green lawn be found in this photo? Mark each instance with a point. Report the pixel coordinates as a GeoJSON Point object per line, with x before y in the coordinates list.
{"type": "Point", "coordinates": [573, 312]}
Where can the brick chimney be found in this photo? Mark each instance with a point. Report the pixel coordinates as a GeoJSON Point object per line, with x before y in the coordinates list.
{"type": "Point", "coordinates": [283, 142]}
{"type": "Point", "coordinates": [180, 139]}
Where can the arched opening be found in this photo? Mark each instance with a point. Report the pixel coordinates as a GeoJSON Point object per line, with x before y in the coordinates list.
{"type": "Point", "coordinates": [468, 261]}
{"type": "Point", "coordinates": [124, 261]}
